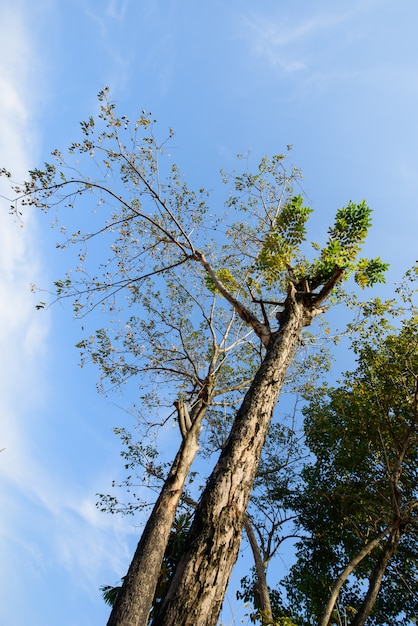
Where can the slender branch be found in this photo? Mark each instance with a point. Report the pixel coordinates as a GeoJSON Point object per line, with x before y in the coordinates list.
{"type": "Point", "coordinates": [376, 578]}
{"type": "Point", "coordinates": [261, 330]}
{"type": "Point", "coordinates": [116, 286]}
{"type": "Point", "coordinates": [94, 185]}
{"type": "Point", "coordinates": [237, 387]}
{"type": "Point", "coordinates": [263, 308]}
{"type": "Point", "coordinates": [158, 199]}
{"type": "Point", "coordinates": [262, 588]}
{"type": "Point", "coordinates": [335, 590]}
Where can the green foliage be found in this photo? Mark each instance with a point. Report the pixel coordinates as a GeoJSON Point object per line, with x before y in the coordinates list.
{"type": "Point", "coordinates": [226, 278]}
{"type": "Point", "coordinates": [370, 271]}
{"type": "Point", "coordinates": [281, 244]}
{"type": "Point", "coordinates": [110, 593]}
{"type": "Point", "coordinates": [274, 245]}
{"type": "Point", "coordinates": [360, 432]}
{"type": "Point", "coordinates": [351, 227]}
{"type": "Point", "coordinates": [344, 243]}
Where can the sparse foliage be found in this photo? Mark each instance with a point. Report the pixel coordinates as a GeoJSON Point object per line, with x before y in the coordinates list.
{"type": "Point", "coordinates": [207, 323]}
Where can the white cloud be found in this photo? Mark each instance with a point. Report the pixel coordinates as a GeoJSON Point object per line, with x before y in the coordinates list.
{"type": "Point", "coordinates": [116, 9]}
{"type": "Point", "coordinates": [22, 332]}
{"type": "Point", "coordinates": [47, 522]}
{"type": "Point", "coordinates": [285, 39]}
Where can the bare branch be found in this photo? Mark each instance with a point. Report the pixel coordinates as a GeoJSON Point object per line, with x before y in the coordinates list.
{"type": "Point", "coordinates": [261, 330]}
{"type": "Point", "coordinates": [335, 590]}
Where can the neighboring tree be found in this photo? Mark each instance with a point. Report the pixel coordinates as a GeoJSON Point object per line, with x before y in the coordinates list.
{"type": "Point", "coordinates": [270, 520]}
{"type": "Point", "coordinates": [359, 505]}
{"type": "Point", "coordinates": [156, 232]}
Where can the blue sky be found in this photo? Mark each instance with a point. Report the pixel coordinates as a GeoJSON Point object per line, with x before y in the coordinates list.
{"type": "Point", "coordinates": [337, 80]}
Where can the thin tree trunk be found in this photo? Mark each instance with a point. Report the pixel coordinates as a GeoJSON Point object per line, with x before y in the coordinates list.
{"type": "Point", "coordinates": [262, 587]}
{"type": "Point", "coordinates": [135, 598]}
{"type": "Point", "coordinates": [375, 580]}
{"type": "Point", "coordinates": [199, 583]}
{"type": "Point", "coordinates": [326, 615]}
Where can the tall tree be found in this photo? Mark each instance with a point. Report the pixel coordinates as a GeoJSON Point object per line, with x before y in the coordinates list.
{"type": "Point", "coordinates": [155, 227]}
{"type": "Point", "coordinates": [359, 505]}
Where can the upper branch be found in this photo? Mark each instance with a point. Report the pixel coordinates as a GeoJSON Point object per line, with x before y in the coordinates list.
{"type": "Point", "coordinates": [156, 196]}
{"type": "Point", "coordinates": [329, 285]}
{"type": "Point", "coordinates": [261, 330]}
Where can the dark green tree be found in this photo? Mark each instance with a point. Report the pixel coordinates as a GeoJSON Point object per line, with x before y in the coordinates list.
{"type": "Point", "coordinates": [358, 507]}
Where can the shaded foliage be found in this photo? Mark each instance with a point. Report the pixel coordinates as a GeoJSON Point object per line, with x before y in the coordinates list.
{"type": "Point", "coordinates": [364, 435]}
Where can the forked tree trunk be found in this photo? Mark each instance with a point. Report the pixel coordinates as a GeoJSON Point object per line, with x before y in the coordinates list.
{"type": "Point", "coordinates": [199, 583]}
{"type": "Point", "coordinates": [135, 598]}
{"type": "Point", "coordinates": [375, 580]}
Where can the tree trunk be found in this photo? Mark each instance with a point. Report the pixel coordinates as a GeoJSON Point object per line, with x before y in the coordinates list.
{"type": "Point", "coordinates": [375, 580]}
{"type": "Point", "coordinates": [262, 587]}
{"type": "Point", "coordinates": [135, 598]}
{"type": "Point", "coordinates": [199, 583]}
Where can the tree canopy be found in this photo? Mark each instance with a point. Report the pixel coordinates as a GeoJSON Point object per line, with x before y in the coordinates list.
{"type": "Point", "coordinates": [205, 311]}
{"type": "Point", "coordinates": [358, 506]}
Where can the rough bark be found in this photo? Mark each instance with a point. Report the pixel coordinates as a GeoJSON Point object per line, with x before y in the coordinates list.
{"type": "Point", "coordinates": [198, 587]}
{"type": "Point", "coordinates": [263, 595]}
{"type": "Point", "coordinates": [135, 598]}
{"type": "Point", "coordinates": [375, 580]}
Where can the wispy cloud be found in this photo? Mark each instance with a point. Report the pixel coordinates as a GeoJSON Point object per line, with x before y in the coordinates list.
{"type": "Point", "coordinates": [116, 9]}
{"type": "Point", "coordinates": [47, 521]}
{"type": "Point", "coordinates": [286, 40]}
{"type": "Point", "coordinates": [22, 332]}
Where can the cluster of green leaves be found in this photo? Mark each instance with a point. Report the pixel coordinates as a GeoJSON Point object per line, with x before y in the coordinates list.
{"type": "Point", "coordinates": [344, 243]}
{"type": "Point", "coordinates": [274, 245]}
{"type": "Point", "coordinates": [282, 242]}
{"type": "Point", "coordinates": [227, 279]}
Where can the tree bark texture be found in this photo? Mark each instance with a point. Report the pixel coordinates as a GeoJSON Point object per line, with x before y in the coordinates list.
{"type": "Point", "coordinates": [199, 583]}
{"type": "Point", "coordinates": [375, 580]}
{"type": "Point", "coordinates": [135, 598]}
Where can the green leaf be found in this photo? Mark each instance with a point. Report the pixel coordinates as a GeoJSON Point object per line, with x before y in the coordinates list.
{"type": "Point", "coordinates": [370, 271]}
